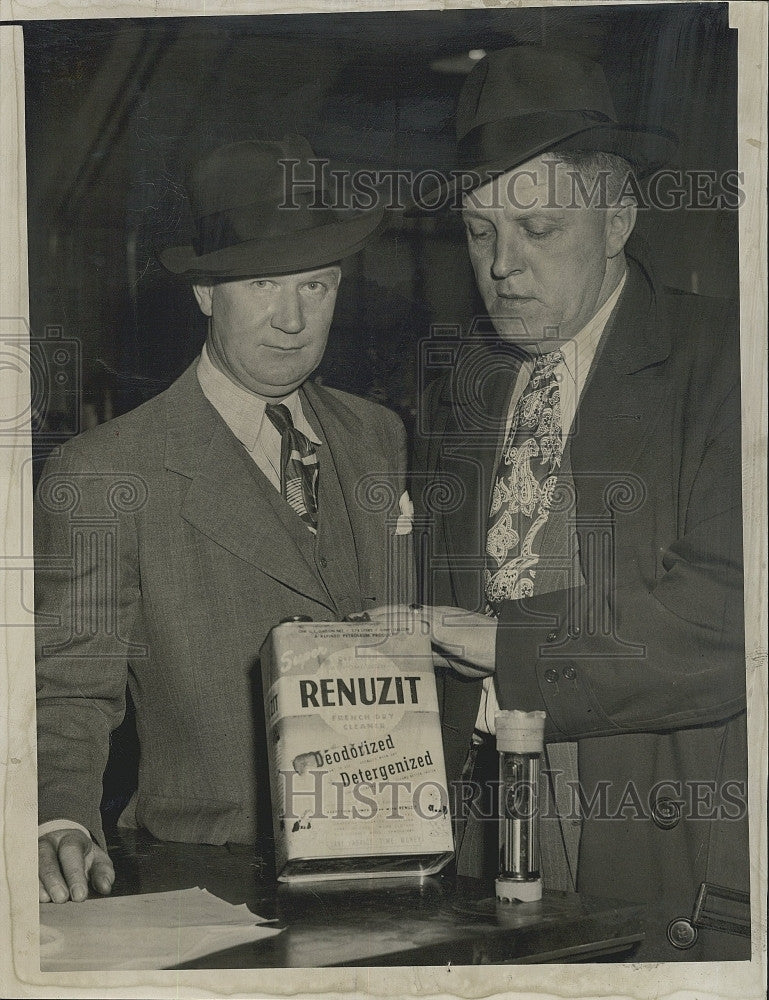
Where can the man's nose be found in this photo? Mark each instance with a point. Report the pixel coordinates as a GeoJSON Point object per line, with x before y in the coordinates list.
{"type": "Point", "coordinates": [287, 315]}
{"type": "Point", "coordinates": [508, 257]}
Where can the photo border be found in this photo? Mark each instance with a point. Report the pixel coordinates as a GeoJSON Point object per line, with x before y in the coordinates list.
{"type": "Point", "coordinates": [19, 975]}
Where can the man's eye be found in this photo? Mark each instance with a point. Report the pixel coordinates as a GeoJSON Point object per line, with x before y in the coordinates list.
{"type": "Point", "coordinates": [315, 286]}
{"type": "Point", "coordinates": [485, 233]}
{"type": "Point", "coordinates": [538, 232]}
{"type": "Point", "coordinates": [261, 283]}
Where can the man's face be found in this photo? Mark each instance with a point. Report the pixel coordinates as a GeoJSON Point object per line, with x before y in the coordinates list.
{"type": "Point", "coordinates": [539, 254]}
{"type": "Point", "coordinates": [269, 334]}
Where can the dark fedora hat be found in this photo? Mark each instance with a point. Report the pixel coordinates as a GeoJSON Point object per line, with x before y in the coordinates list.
{"type": "Point", "coordinates": [520, 102]}
{"type": "Point", "coordinates": [251, 220]}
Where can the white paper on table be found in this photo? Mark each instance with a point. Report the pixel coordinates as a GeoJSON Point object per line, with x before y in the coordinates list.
{"type": "Point", "coordinates": [153, 930]}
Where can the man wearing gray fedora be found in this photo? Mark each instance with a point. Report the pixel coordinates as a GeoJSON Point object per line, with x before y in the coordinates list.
{"type": "Point", "coordinates": [589, 564]}
{"type": "Point", "coordinates": [171, 539]}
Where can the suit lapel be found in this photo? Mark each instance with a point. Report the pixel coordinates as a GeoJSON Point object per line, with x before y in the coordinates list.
{"type": "Point", "coordinates": [229, 499]}
{"type": "Point", "coordinates": [469, 452]}
{"type": "Point", "coordinates": [340, 469]}
{"type": "Point", "coordinates": [622, 401]}
{"type": "Point", "coordinates": [346, 527]}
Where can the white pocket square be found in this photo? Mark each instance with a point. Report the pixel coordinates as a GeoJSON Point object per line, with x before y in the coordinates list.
{"type": "Point", "coordinates": [406, 517]}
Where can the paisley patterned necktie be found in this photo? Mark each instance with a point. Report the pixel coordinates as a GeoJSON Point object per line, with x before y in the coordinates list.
{"type": "Point", "coordinates": [298, 466]}
{"type": "Point", "coordinates": [521, 502]}
{"type": "Point", "coordinates": [523, 488]}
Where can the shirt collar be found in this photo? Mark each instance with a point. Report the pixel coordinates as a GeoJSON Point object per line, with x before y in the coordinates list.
{"type": "Point", "coordinates": [579, 351]}
{"type": "Point", "coordinates": [241, 410]}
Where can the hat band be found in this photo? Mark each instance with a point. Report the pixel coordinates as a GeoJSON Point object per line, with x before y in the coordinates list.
{"type": "Point", "coordinates": [521, 137]}
{"type": "Point", "coordinates": [220, 230]}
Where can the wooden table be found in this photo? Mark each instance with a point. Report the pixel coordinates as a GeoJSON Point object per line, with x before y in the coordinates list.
{"type": "Point", "coordinates": [392, 921]}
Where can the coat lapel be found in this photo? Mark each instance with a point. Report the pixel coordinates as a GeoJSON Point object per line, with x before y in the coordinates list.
{"type": "Point", "coordinates": [346, 523]}
{"type": "Point", "coordinates": [621, 402]}
{"type": "Point", "coordinates": [229, 499]}
{"type": "Point", "coordinates": [478, 396]}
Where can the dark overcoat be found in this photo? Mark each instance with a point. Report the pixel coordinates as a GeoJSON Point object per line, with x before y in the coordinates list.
{"type": "Point", "coordinates": [642, 661]}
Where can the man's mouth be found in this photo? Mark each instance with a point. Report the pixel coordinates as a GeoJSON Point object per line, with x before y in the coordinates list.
{"type": "Point", "coordinates": [512, 303]}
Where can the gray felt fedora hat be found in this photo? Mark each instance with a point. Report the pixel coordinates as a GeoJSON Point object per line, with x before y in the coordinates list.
{"type": "Point", "coordinates": [520, 102]}
{"type": "Point", "coordinates": [247, 223]}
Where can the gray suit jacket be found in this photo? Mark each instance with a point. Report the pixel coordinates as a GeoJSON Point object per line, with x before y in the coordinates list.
{"type": "Point", "coordinates": [163, 558]}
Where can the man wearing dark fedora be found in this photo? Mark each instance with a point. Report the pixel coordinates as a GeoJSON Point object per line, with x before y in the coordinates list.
{"type": "Point", "coordinates": [224, 505]}
{"type": "Point", "coordinates": [594, 548]}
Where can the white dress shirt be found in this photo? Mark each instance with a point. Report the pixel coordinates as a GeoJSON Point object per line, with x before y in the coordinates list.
{"type": "Point", "coordinates": [244, 415]}
{"type": "Point", "coordinates": [578, 354]}
{"type": "Point", "coordinates": [243, 412]}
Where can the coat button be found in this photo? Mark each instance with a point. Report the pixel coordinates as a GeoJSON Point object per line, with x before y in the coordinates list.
{"type": "Point", "coordinates": [682, 933]}
{"type": "Point", "coordinates": [323, 561]}
{"type": "Point", "coordinates": [551, 675]}
{"type": "Point", "coordinates": [575, 632]}
{"type": "Point", "coordinates": [666, 814]}
{"type": "Point", "coordinates": [570, 673]}
{"type": "Point", "coordinates": [552, 636]}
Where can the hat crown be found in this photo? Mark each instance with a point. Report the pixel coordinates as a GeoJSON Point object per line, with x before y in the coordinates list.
{"type": "Point", "coordinates": [245, 173]}
{"type": "Point", "coordinates": [526, 80]}
{"type": "Point", "coordinates": [256, 214]}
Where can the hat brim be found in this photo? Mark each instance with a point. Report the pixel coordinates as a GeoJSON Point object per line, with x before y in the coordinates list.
{"type": "Point", "coordinates": [303, 250]}
{"type": "Point", "coordinates": [646, 150]}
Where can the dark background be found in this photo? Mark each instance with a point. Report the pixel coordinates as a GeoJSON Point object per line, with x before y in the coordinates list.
{"type": "Point", "coordinates": [116, 110]}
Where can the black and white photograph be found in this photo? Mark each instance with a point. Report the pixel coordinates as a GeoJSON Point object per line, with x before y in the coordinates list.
{"type": "Point", "coordinates": [385, 553]}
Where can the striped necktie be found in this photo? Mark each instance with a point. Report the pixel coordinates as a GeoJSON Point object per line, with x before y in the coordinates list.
{"type": "Point", "coordinates": [298, 466]}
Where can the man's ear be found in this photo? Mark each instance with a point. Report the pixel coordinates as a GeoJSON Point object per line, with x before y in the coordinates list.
{"type": "Point", "coordinates": [620, 223]}
{"type": "Point", "coordinates": [204, 293]}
